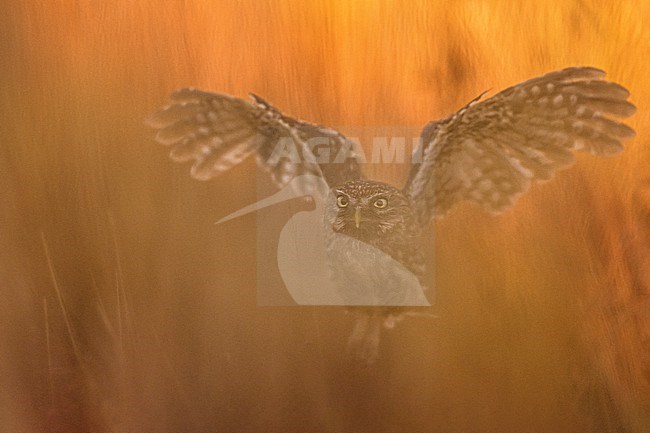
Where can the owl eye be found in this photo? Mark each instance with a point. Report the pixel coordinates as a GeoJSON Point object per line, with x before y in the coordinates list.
{"type": "Point", "coordinates": [381, 203]}
{"type": "Point", "coordinates": [342, 201]}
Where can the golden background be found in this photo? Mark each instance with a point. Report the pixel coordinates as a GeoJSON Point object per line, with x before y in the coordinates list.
{"type": "Point", "coordinates": [125, 309]}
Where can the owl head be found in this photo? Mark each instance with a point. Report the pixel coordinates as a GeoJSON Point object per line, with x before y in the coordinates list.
{"type": "Point", "coordinates": [368, 210]}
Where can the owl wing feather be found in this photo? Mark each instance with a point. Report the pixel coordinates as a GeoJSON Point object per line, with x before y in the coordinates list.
{"type": "Point", "coordinates": [491, 151]}
{"type": "Point", "coordinates": [217, 132]}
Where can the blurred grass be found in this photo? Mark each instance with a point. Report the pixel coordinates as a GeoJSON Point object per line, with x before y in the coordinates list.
{"type": "Point", "coordinates": [543, 311]}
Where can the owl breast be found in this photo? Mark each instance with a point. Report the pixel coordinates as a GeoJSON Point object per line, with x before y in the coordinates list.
{"type": "Point", "coordinates": [366, 275]}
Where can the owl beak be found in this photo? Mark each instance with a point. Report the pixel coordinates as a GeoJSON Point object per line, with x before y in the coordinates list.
{"type": "Point", "coordinates": [357, 216]}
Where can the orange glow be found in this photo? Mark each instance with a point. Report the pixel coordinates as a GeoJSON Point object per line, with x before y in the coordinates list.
{"type": "Point", "coordinates": [143, 316]}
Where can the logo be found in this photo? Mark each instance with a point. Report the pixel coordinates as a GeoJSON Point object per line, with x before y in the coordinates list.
{"type": "Point", "coordinates": [318, 266]}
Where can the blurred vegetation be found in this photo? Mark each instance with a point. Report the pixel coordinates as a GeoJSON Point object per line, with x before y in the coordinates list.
{"type": "Point", "coordinates": [125, 309]}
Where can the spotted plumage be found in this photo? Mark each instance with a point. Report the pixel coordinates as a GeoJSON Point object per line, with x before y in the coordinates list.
{"type": "Point", "coordinates": [380, 215]}
{"type": "Point", "coordinates": [489, 152]}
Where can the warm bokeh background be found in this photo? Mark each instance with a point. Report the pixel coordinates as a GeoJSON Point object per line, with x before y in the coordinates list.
{"type": "Point", "coordinates": [125, 309]}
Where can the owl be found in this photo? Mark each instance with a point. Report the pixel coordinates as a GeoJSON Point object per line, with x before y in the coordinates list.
{"type": "Point", "coordinates": [489, 152]}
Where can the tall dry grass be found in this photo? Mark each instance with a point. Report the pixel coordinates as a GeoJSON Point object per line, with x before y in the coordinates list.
{"type": "Point", "coordinates": [124, 309]}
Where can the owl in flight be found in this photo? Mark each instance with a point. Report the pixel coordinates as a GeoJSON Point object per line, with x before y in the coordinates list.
{"type": "Point", "coordinates": [488, 152]}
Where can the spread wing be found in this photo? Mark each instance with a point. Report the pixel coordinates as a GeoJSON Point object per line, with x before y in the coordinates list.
{"type": "Point", "coordinates": [217, 131]}
{"type": "Point", "coordinates": [489, 152]}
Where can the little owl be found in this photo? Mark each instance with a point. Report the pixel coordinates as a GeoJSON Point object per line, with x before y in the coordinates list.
{"type": "Point", "coordinates": [488, 152]}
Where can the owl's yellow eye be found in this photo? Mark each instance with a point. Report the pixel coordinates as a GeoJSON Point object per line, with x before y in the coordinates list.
{"type": "Point", "coordinates": [342, 201]}
{"type": "Point", "coordinates": [381, 203]}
